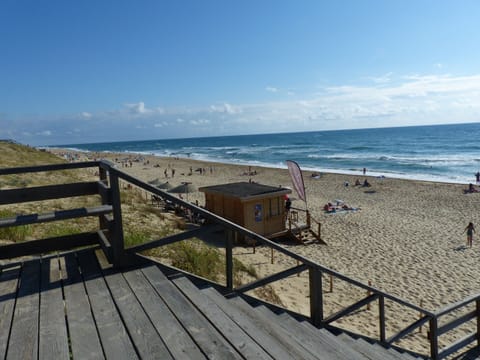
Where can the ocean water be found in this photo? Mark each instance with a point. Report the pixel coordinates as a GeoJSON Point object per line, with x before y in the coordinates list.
{"type": "Point", "coordinates": [445, 153]}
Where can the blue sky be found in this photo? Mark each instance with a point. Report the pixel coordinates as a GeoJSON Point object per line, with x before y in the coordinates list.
{"type": "Point", "coordinates": [94, 71]}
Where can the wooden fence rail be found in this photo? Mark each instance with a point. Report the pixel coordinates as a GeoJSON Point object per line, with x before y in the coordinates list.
{"type": "Point", "coordinates": [110, 237]}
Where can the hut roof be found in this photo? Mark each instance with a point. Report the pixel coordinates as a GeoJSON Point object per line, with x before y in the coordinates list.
{"type": "Point", "coordinates": [245, 190]}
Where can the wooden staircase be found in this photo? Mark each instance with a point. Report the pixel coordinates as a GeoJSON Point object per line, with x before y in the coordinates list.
{"type": "Point", "coordinates": [275, 333]}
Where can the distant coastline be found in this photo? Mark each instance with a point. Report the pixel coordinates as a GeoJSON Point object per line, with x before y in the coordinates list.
{"type": "Point", "coordinates": [440, 153]}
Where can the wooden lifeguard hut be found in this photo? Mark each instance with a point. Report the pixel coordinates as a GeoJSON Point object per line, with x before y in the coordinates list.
{"type": "Point", "coordinates": [257, 207]}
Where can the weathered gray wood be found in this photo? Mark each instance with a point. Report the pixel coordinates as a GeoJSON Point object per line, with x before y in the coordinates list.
{"type": "Point", "coordinates": [105, 244]}
{"type": "Point", "coordinates": [117, 241]}
{"type": "Point", "coordinates": [229, 258]}
{"type": "Point", "coordinates": [85, 341]}
{"type": "Point", "coordinates": [201, 231]}
{"type": "Point", "coordinates": [381, 319]}
{"type": "Point", "coordinates": [55, 216]}
{"type": "Point", "coordinates": [457, 322]}
{"type": "Point", "coordinates": [267, 341]}
{"type": "Point", "coordinates": [114, 337]}
{"type": "Point", "coordinates": [66, 242]}
{"type": "Point", "coordinates": [23, 343]}
{"type": "Point", "coordinates": [434, 339]}
{"type": "Point", "coordinates": [282, 336]}
{"type": "Point", "coordinates": [8, 292]}
{"type": "Point", "coordinates": [47, 192]}
{"type": "Point", "coordinates": [351, 308]}
{"type": "Point", "coordinates": [53, 339]}
{"type": "Point", "coordinates": [316, 295]}
{"type": "Point", "coordinates": [51, 167]}
{"type": "Point", "coordinates": [104, 192]}
{"type": "Point", "coordinates": [244, 344]}
{"type": "Point", "coordinates": [212, 343]}
{"type": "Point", "coordinates": [178, 341]}
{"type": "Point", "coordinates": [147, 341]}
{"type": "Point", "coordinates": [272, 278]}
{"type": "Point", "coordinates": [459, 344]}
{"type": "Point", "coordinates": [366, 349]}
{"type": "Point", "coordinates": [317, 342]}
{"type": "Point", "coordinates": [408, 330]}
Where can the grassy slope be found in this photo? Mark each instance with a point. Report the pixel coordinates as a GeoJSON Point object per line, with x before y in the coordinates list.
{"type": "Point", "coordinates": [14, 155]}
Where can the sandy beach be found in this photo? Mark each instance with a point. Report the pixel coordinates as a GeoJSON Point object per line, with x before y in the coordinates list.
{"type": "Point", "coordinates": [406, 238]}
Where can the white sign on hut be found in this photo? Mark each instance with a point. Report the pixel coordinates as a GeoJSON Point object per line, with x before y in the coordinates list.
{"type": "Point", "coordinates": [259, 208]}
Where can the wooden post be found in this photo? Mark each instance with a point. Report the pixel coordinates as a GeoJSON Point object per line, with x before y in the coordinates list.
{"type": "Point", "coordinates": [308, 219]}
{"type": "Point", "coordinates": [298, 263]}
{"type": "Point", "coordinates": [331, 283]}
{"type": "Point", "coordinates": [433, 338]}
{"type": "Point", "coordinates": [271, 259]}
{"type": "Point", "coordinates": [369, 293]}
{"type": "Point", "coordinates": [316, 296]}
{"type": "Point", "coordinates": [103, 175]}
{"type": "Point", "coordinates": [420, 316]}
{"type": "Point", "coordinates": [118, 247]}
{"type": "Point", "coordinates": [477, 303]}
{"type": "Point", "coordinates": [381, 312]}
{"type": "Point", "coordinates": [229, 258]}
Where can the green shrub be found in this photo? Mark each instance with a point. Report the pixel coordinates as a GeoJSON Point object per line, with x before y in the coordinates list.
{"type": "Point", "coordinates": [135, 238]}
{"type": "Point", "coordinates": [13, 233]}
{"type": "Point", "coordinates": [196, 258]}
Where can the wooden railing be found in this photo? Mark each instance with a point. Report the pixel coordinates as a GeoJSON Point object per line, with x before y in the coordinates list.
{"type": "Point", "coordinates": [110, 237]}
{"type": "Point", "coordinates": [296, 224]}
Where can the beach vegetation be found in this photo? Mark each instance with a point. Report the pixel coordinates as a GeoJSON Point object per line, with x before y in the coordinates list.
{"type": "Point", "coordinates": [13, 233]}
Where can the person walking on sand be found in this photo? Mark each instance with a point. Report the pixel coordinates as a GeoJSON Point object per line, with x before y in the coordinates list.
{"type": "Point", "coordinates": [470, 229]}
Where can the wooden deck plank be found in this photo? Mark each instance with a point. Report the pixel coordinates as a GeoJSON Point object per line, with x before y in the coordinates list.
{"type": "Point", "coordinates": [266, 341]}
{"type": "Point", "coordinates": [316, 340]}
{"type": "Point", "coordinates": [53, 338]}
{"type": "Point", "coordinates": [178, 341]}
{"type": "Point", "coordinates": [147, 341]}
{"type": "Point", "coordinates": [114, 337]}
{"type": "Point", "coordinates": [272, 328]}
{"type": "Point", "coordinates": [23, 343]}
{"type": "Point", "coordinates": [85, 341]}
{"type": "Point", "coordinates": [212, 343]}
{"type": "Point", "coordinates": [241, 340]}
{"type": "Point", "coordinates": [8, 292]}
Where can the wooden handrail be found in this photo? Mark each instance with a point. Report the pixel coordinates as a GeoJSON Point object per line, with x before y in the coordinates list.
{"type": "Point", "coordinates": [108, 189]}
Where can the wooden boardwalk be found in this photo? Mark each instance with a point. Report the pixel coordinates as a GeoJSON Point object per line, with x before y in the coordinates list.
{"type": "Point", "coordinates": [69, 306]}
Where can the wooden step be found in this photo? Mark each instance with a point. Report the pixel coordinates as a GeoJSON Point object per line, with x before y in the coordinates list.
{"type": "Point", "coordinates": [270, 343]}
{"type": "Point", "coordinates": [241, 340]}
{"type": "Point", "coordinates": [289, 337]}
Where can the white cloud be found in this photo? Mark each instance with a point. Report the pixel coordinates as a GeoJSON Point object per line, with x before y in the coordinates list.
{"type": "Point", "coordinates": [137, 108]}
{"type": "Point", "coordinates": [387, 100]}
{"type": "Point", "coordinates": [200, 122]}
{"type": "Point", "coordinates": [225, 108]}
{"type": "Point", "coordinates": [271, 89]}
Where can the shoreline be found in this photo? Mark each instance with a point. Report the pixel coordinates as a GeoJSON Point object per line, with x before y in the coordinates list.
{"type": "Point", "coordinates": [349, 172]}
{"type": "Point", "coordinates": [406, 239]}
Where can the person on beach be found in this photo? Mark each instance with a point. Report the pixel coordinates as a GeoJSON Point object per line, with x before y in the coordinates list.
{"type": "Point", "coordinates": [477, 177]}
{"type": "Point", "coordinates": [470, 229]}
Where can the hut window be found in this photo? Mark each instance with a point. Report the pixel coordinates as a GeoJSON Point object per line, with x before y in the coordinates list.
{"type": "Point", "coordinates": [274, 207]}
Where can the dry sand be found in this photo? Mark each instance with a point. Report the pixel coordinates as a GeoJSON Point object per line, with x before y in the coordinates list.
{"type": "Point", "coordinates": [406, 239]}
